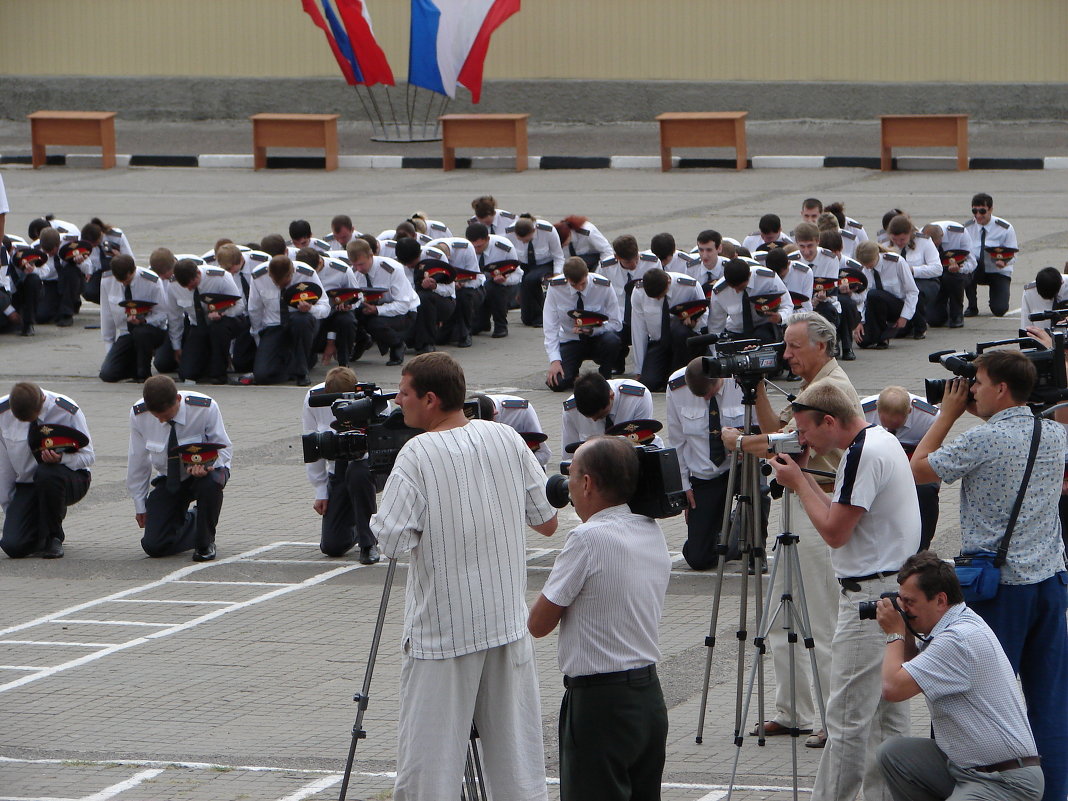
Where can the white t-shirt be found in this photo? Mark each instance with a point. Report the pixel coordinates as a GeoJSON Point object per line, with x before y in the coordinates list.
{"type": "Point", "coordinates": [4, 209]}
{"type": "Point", "coordinates": [460, 501]}
{"type": "Point", "coordinates": [874, 474]}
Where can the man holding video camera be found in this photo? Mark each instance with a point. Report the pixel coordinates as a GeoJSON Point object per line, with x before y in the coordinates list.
{"type": "Point", "coordinates": [1028, 611]}
{"type": "Point", "coordinates": [458, 499]}
{"type": "Point", "coordinates": [981, 745]}
{"type": "Point", "coordinates": [871, 521]}
{"type": "Point", "coordinates": [606, 591]}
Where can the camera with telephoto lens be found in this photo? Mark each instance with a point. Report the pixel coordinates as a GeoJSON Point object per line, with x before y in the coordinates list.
{"type": "Point", "coordinates": [1050, 388]}
{"type": "Point", "coordinates": [659, 493]}
{"type": "Point", "coordinates": [744, 358]}
{"type": "Point", "coordinates": [785, 443]}
{"type": "Point", "coordinates": [866, 609]}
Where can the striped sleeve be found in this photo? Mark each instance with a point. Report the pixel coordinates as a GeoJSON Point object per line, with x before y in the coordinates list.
{"type": "Point", "coordinates": [398, 523]}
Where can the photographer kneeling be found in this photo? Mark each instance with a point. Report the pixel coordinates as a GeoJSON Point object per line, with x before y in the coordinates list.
{"type": "Point", "coordinates": [872, 524]}
{"type": "Point", "coordinates": [982, 745]}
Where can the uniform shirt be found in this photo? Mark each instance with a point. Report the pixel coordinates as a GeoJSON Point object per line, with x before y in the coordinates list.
{"type": "Point", "coordinates": [680, 262]}
{"type": "Point", "coordinates": [825, 265]}
{"type": "Point", "coordinates": [922, 256]}
{"type": "Point", "coordinates": [546, 245]}
{"type": "Point", "coordinates": [896, 277]}
{"type": "Point", "coordinates": [612, 575]}
{"type": "Point", "coordinates": [561, 297]}
{"type": "Point", "coordinates": [990, 460]}
{"type": "Point", "coordinates": [850, 240]}
{"type": "Point", "coordinates": [331, 240]}
{"type": "Point", "coordinates": [500, 249]}
{"type": "Point", "coordinates": [462, 255]}
{"type": "Point", "coordinates": [688, 425]}
{"type": "Point", "coordinates": [501, 220]}
{"type": "Point", "coordinates": [388, 238]}
{"type": "Point", "coordinates": [459, 501]}
{"type": "Point", "coordinates": [754, 241]}
{"type": "Point", "coordinates": [390, 274]}
{"type": "Point", "coordinates": [977, 710]}
{"type": "Point", "coordinates": [875, 475]}
{"type": "Point", "coordinates": [798, 279]}
{"type": "Point", "coordinates": [622, 279]}
{"type": "Point", "coordinates": [703, 274]}
{"type": "Point", "coordinates": [336, 274]}
{"type": "Point", "coordinates": [213, 281]}
{"type": "Point", "coordinates": [146, 286]}
{"type": "Point", "coordinates": [447, 290]}
{"type": "Point", "coordinates": [955, 237]}
{"type": "Point", "coordinates": [726, 312]}
{"type": "Point", "coordinates": [516, 412]}
{"type": "Point", "coordinates": [436, 229]}
{"type": "Point", "coordinates": [1032, 302]}
{"type": "Point", "coordinates": [630, 401]}
{"type": "Point", "coordinates": [588, 239]}
{"type": "Point", "coordinates": [264, 297]}
{"type": "Point", "coordinates": [856, 229]}
{"type": "Point", "coordinates": [17, 465]}
{"type": "Point", "coordinates": [917, 423]}
{"type": "Point", "coordinates": [647, 314]}
{"type": "Point", "coordinates": [314, 420]}
{"type": "Point", "coordinates": [999, 233]}
{"type": "Point", "coordinates": [198, 420]}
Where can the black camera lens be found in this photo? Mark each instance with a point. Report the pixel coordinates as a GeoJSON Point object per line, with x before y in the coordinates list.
{"type": "Point", "coordinates": [556, 491]}
{"type": "Point", "coordinates": [866, 609]}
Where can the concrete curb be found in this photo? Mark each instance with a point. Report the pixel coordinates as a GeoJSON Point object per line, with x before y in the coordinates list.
{"type": "Point", "coordinates": [244, 161]}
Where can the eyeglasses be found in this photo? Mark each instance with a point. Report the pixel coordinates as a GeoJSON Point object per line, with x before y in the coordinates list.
{"type": "Point", "coordinates": [979, 210]}
{"type": "Point", "coordinates": [801, 407]}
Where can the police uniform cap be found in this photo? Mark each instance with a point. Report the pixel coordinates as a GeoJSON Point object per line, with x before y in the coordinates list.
{"type": "Point", "coordinates": [219, 302]}
{"type": "Point", "coordinates": [137, 306]}
{"type": "Point", "coordinates": [343, 294]}
{"type": "Point", "coordinates": [798, 298]}
{"type": "Point", "coordinates": [858, 282]}
{"type": "Point", "coordinates": [303, 291]}
{"type": "Point", "coordinates": [766, 303]}
{"type": "Point", "coordinates": [69, 250]}
{"type": "Point", "coordinates": [954, 257]}
{"type": "Point", "coordinates": [440, 271]}
{"type": "Point", "coordinates": [689, 308]}
{"type": "Point", "coordinates": [196, 453]}
{"type": "Point", "coordinates": [1001, 253]}
{"type": "Point", "coordinates": [587, 319]}
{"type": "Point", "coordinates": [58, 438]}
{"type": "Point", "coordinates": [823, 284]}
{"type": "Point", "coordinates": [640, 432]}
{"type": "Point", "coordinates": [372, 294]}
{"type": "Point", "coordinates": [504, 267]}
{"type": "Point", "coordinates": [29, 257]}
{"type": "Point", "coordinates": [533, 438]}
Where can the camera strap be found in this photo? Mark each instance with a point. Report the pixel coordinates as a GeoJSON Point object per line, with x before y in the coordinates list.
{"type": "Point", "coordinates": [1003, 548]}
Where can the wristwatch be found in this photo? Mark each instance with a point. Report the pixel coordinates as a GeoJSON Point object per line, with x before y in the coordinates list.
{"type": "Point", "coordinates": [894, 638]}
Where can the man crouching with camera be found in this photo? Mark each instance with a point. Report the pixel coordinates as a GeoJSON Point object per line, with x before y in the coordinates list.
{"type": "Point", "coordinates": [982, 745]}
{"type": "Point", "coordinates": [872, 524]}
{"type": "Point", "coordinates": [606, 591]}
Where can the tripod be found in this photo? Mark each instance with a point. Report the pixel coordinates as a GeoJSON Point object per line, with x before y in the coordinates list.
{"type": "Point", "coordinates": [474, 785]}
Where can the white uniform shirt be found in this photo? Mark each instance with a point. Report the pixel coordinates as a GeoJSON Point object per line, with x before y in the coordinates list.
{"type": "Point", "coordinates": [622, 278]}
{"type": "Point", "coordinates": [1032, 302]}
{"type": "Point", "coordinates": [754, 241]}
{"type": "Point", "coordinates": [680, 262]}
{"type": "Point", "coordinates": [390, 274]}
{"type": "Point", "coordinates": [646, 313]}
{"type": "Point", "coordinates": [313, 420]}
{"type": "Point", "coordinates": [516, 412]}
{"type": "Point", "coordinates": [17, 465]}
{"type": "Point", "coordinates": [896, 278]}
{"type": "Point", "coordinates": [198, 420]}
{"type": "Point", "coordinates": [561, 297]}
{"type": "Point", "coordinates": [922, 256]}
{"type": "Point", "coordinates": [264, 297]}
{"type": "Point", "coordinates": [501, 220]}
{"type": "Point", "coordinates": [499, 249]}
{"type": "Point", "coordinates": [546, 245]}
{"type": "Point", "coordinates": [850, 240]}
{"type": "Point", "coordinates": [726, 311]}
{"type": "Point", "coordinates": [918, 421]}
{"type": "Point", "coordinates": [630, 401]}
{"type": "Point", "coordinates": [799, 279]}
{"type": "Point", "coordinates": [4, 208]}
{"type": "Point", "coordinates": [462, 255]}
{"type": "Point", "coordinates": [703, 274]}
{"type": "Point", "coordinates": [955, 237]}
{"type": "Point", "coordinates": [145, 286]}
{"type": "Point", "coordinates": [213, 281]}
{"type": "Point", "coordinates": [999, 233]}
{"type": "Point", "coordinates": [588, 239]}
{"type": "Point", "coordinates": [687, 424]}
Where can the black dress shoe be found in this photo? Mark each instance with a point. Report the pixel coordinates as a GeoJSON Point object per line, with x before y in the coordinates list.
{"type": "Point", "coordinates": [464, 343]}
{"type": "Point", "coordinates": [971, 312]}
{"type": "Point", "coordinates": [303, 381]}
{"type": "Point", "coordinates": [205, 554]}
{"type": "Point", "coordinates": [958, 323]}
{"type": "Point", "coordinates": [54, 549]}
{"type": "Point", "coordinates": [499, 333]}
{"type": "Point", "coordinates": [65, 321]}
{"type": "Point", "coordinates": [920, 335]}
{"type": "Point", "coordinates": [849, 355]}
{"type": "Point", "coordinates": [369, 555]}
{"type": "Point", "coordinates": [27, 332]}
{"type": "Point", "coordinates": [882, 345]}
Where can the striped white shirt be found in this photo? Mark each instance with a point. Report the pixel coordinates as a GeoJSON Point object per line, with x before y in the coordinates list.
{"type": "Point", "coordinates": [459, 500]}
{"type": "Point", "coordinates": [612, 575]}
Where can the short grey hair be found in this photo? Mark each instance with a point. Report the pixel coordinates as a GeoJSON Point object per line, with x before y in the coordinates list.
{"type": "Point", "coordinates": [819, 329]}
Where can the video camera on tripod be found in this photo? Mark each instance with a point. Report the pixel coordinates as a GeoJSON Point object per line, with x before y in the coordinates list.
{"type": "Point", "coordinates": [1051, 387]}
{"type": "Point", "coordinates": [744, 359]}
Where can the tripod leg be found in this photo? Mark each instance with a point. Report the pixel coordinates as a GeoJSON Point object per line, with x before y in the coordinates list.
{"type": "Point", "coordinates": [361, 697]}
{"type": "Point", "coordinates": [474, 767]}
{"type": "Point", "coordinates": [810, 645]}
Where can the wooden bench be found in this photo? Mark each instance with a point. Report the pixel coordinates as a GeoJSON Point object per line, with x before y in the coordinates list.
{"type": "Point", "coordinates": [702, 129]}
{"type": "Point", "coordinates": [73, 128]}
{"type": "Point", "coordinates": [483, 130]}
{"type": "Point", "coordinates": [294, 130]}
{"type": "Point", "coordinates": [924, 130]}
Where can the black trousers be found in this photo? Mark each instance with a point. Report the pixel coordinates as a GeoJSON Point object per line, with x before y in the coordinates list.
{"type": "Point", "coordinates": [343, 325]}
{"type": "Point", "coordinates": [602, 349]}
{"type": "Point", "coordinates": [63, 296]}
{"type": "Point", "coordinates": [36, 512]}
{"type": "Point", "coordinates": [27, 297]}
{"type": "Point", "coordinates": [283, 352]}
{"type": "Point", "coordinates": [347, 522]}
{"type": "Point", "coordinates": [164, 358]}
{"type": "Point", "coordinates": [705, 521]}
{"type": "Point", "coordinates": [388, 332]}
{"type": "Point", "coordinates": [927, 495]}
{"type": "Point", "coordinates": [613, 741]}
{"type": "Point", "coordinates": [170, 526]}
{"type": "Point", "coordinates": [532, 293]}
{"type": "Point", "coordinates": [469, 302]}
{"type": "Point", "coordinates": [91, 290]}
{"type": "Point", "coordinates": [949, 305]}
{"type": "Point", "coordinates": [131, 354]}
{"type": "Point", "coordinates": [929, 291]}
{"type": "Point", "coordinates": [434, 311]}
{"type": "Point", "coordinates": [206, 348]}
{"type": "Point", "coordinates": [882, 310]}
{"type": "Point", "coordinates": [665, 355]}
{"type": "Point", "coordinates": [999, 292]}
{"type": "Point", "coordinates": [495, 308]}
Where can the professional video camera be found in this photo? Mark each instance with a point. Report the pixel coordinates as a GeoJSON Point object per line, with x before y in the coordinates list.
{"type": "Point", "coordinates": [659, 493]}
{"type": "Point", "coordinates": [866, 609]}
{"type": "Point", "coordinates": [744, 358]}
{"type": "Point", "coordinates": [1052, 384]}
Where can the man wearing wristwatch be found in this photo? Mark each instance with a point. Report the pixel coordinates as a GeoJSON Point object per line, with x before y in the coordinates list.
{"type": "Point", "coordinates": [982, 745]}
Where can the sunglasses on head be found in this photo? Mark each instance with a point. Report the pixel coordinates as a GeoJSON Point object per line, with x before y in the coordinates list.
{"type": "Point", "coordinates": [802, 407]}
{"type": "Point", "coordinates": [979, 209]}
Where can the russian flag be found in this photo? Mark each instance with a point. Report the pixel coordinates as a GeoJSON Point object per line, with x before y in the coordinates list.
{"type": "Point", "coordinates": [449, 42]}
{"type": "Point", "coordinates": [352, 40]}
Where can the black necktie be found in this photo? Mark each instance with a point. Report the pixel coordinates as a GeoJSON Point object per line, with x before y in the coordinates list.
{"type": "Point", "coordinates": [33, 438]}
{"type": "Point", "coordinates": [571, 248]}
{"type": "Point", "coordinates": [608, 422]}
{"type": "Point", "coordinates": [579, 305]}
{"type": "Point", "coordinates": [531, 259]}
{"type": "Point", "coordinates": [981, 267]}
{"type": "Point", "coordinates": [127, 292]}
{"type": "Point", "coordinates": [878, 278]}
{"type": "Point", "coordinates": [747, 314]}
{"type": "Point", "coordinates": [198, 307]}
{"type": "Point", "coordinates": [283, 309]}
{"type": "Point", "coordinates": [716, 451]}
{"type": "Point", "coordinates": [367, 278]}
{"type": "Point", "coordinates": [481, 260]}
{"type": "Point", "coordinates": [174, 462]}
{"type": "Point", "coordinates": [244, 286]}
{"type": "Point", "coordinates": [664, 320]}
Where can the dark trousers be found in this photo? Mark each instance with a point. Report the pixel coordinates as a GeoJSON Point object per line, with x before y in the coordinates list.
{"type": "Point", "coordinates": [62, 297]}
{"type": "Point", "coordinates": [532, 293]}
{"type": "Point", "coordinates": [664, 356]}
{"type": "Point", "coordinates": [927, 495]}
{"type": "Point", "coordinates": [351, 493]}
{"type": "Point", "coordinates": [206, 348]}
{"type": "Point", "coordinates": [170, 526]}
{"type": "Point", "coordinates": [704, 522]}
{"type": "Point", "coordinates": [999, 292]}
{"type": "Point", "coordinates": [36, 512]}
{"type": "Point", "coordinates": [948, 307]}
{"type": "Point", "coordinates": [388, 332]}
{"type": "Point", "coordinates": [494, 308]}
{"type": "Point", "coordinates": [602, 349]}
{"type": "Point", "coordinates": [469, 302]}
{"type": "Point", "coordinates": [27, 297]}
{"type": "Point", "coordinates": [434, 311]}
{"type": "Point", "coordinates": [244, 349]}
{"type": "Point", "coordinates": [164, 358]}
{"type": "Point", "coordinates": [91, 290]}
{"type": "Point", "coordinates": [343, 325]}
{"type": "Point", "coordinates": [284, 351]}
{"type": "Point", "coordinates": [882, 310]}
{"type": "Point", "coordinates": [613, 741]}
{"type": "Point", "coordinates": [131, 354]}
{"type": "Point", "coordinates": [929, 289]}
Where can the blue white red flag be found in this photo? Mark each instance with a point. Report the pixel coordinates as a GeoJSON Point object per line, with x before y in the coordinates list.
{"type": "Point", "coordinates": [449, 42]}
{"type": "Point", "coordinates": [347, 26]}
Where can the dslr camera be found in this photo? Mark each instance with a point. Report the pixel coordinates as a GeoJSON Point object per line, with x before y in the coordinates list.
{"type": "Point", "coordinates": [744, 358]}
{"type": "Point", "coordinates": [866, 609]}
{"type": "Point", "coordinates": [659, 493]}
{"type": "Point", "coordinates": [785, 443]}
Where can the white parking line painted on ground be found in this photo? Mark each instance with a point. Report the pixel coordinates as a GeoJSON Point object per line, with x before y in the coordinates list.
{"type": "Point", "coordinates": [59, 642]}
{"type": "Point", "coordinates": [242, 583]}
{"type": "Point", "coordinates": [86, 622]}
{"type": "Point", "coordinates": [317, 786]}
{"type": "Point", "coordinates": [715, 795]}
{"type": "Point", "coordinates": [159, 601]}
{"type": "Point", "coordinates": [115, 789]}
{"type": "Point", "coordinates": [20, 667]}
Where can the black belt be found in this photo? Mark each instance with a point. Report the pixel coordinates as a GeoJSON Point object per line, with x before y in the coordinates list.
{"type": "Point", "coordinates": [853, 584]}
{"type": "Point", "coordinates": [620, 677]}
{"type": "Point", "coordinates": [1010, 764]}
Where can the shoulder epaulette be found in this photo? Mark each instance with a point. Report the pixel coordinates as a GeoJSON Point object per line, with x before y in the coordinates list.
{"type": "Point", "coordinates": [676, 383]}
{"type": "Point", "coordinates": [690, 260]}
{"type": "Point", "coordinates": [5, 404]}
{"type": "Point", "coordinates": [1031, 285]}
{"type": "Point", "coordinates": [389, 268]}
{"type": "Point", "coordinates": [920, 235]}
{"type": "Point", "coordinates": [764, 272]}
{"type": "Point", "coordinates": [317, 390]}
{"type": "Point", "coordinates": [685, 280]}
{"type": "Point", "coordinates": [1002, 223]}
{"type": "Point", "coordinates": [826, 252]}
{"type": "Point", "coordinates": [148, 275]}
{"type": "Point", "coordinates": [255, 256]}
{"type": "Point", "coordinates": [340, 266]}
{"type": "Point", "coordinates": [303, 269]}
{"type": "Point", "coordinates": [515, 403]}
{"type": "Point", "coordinates": [869, 406]}
{"type": "Point", "coordinates": [459, 244]}
{"type": "Point", "coordinates": [719, 286]}
{"type": "Point", "coordinates": [66, 405]}
{"type": "Point", "coordinates": [558, 281]}
{"type": "Point", "coordinates": [198, 400]}
{"type": "Point", "coordinates": [854, 264]}
{"type": "Point", "coordinates": [569, 404]}
{"type": "Point", "coordinates": [438, 226]}
{"type": "Point", "coordinates": [507, 215]}
{"type": "Point", "coordinates": [648, 257]}
{"type": "Point", "coordinates": [510, 229]}
{"type": "Point", "coordinates": [802, 266]}
{"type": "Point", "coordinates": [215, 272]}
{"type": "Point", "coordinates": [583, 231]}
{"type": "Point", "coordinates": [637, 390]}
{"type": "Point", "coordinates": [505, 246]}
{"type": "Point", "coordinates": [923, 406]}
{"type": "Point", "coordinates": [853, 223]}
{"type": "Point", "coordinates": [892, 257]}
{"type": "Point", "coordinates": [542, 226]}
{"type": "Point", "coordinates": [610, 262]}
{"type": "Point", "coordinates": [955, 228]}
{"type": "Point", "coordinates": [970, 223]}
{"type": "Point", "coordinates": [259, 272]}
{"type": "Point", "coordinates": [847, 234]}
{"type": "Point", "coordinates": [795, 256]}
{"type": "Point", "coordinates": [600, 279]}
{"type": "Point", "coordinates": [140, 408]}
